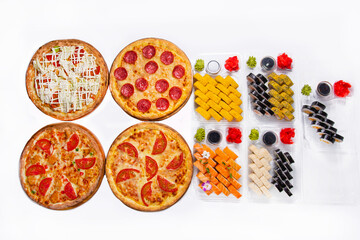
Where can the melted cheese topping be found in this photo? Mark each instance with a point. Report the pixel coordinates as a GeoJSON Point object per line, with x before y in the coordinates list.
{"type": "Point", "coordinates": [67, 78]}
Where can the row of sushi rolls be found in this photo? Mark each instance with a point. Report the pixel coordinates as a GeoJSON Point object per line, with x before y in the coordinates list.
{"type": "Point", "coordinates": [218, 97]}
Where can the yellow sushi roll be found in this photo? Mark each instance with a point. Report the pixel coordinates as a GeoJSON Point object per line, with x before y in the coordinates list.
{"type": "Point", "coordinates": [287, 97]}
{"type": "Point", "coordinates": [222, 81]}
{"type": "Point", "coordinates": [235, 107]}
{"type": "Point", "coordinates": [274, 77]}
{"type": "Point", "coordinates": [235, 99]}
{"type": "Point", "coordinates": [215, 115]}
{"type": "Point", "coordinates": [236, 115]}
{"type": "Point", "coordinates": [209, 79]}
{"type": "Point", "coordinates": [213, 89]}
{"type": "Point", "coordinates": [222, 88]}
{"type": "Point", "coordinates": [200, 78]}
{"type": "Point", "coordinates": [214, 105]}
{"type": "Point", "coordinates": [200, 86]}
{"type": "Point", "coordinates": [287, 114]}
{"type": "Point", "coordinates": [224, 106]}
{"type": "Point", "coordinates": [288, 106]}
{"type": "Point", "coordinates": [225, 98]}
{"type": "Point", "coordinates": [276, 95]}
{"type": "Point", "coordinates": [274, 85]}
{"type": "Point", "coordinates": [205, 114]}
{"type": "Point", "coordinates": [226, 115]}
{"type": "Point", "coordinates": [278, 113]}
{"type": "Point", "coordinates": [286, 80]}
{"type": "Point", "coordinates": [234, 91]}
{"type": "Point", "coordinates": [275, 103]}
{"type": "Point", "coordinates": [201, 95]}
{"type": "Point", "coordinates": [288, 90]}
{"type": "Point", "coordinates": [201, 103]}
{"type": "Point", "coordinates": [231, 81]}
{"type": "Point", "coordinates": [213, 97]}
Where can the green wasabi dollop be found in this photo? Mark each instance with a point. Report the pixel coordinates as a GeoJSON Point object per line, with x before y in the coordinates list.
{"type": "Point", "coordinates": [251, 62]}
{"type": "Point", "coordinates": [200, 134]}
{"type": "Point", "coordinates": [199, 65]}
{"type": "Point", "coordinates": [306, 90]}
{"type": "Point", "coordinates": [254, 134]}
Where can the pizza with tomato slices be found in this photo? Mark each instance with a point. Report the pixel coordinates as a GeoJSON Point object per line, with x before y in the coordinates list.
{"type": "Point", "coordinates": [67, 79]}
{"type": "Point", "coordinates": [151, 79]}
{"type": "Point", "coordinates": [62, 166]}
{"type": "Point", "coordinates": [149, 167]}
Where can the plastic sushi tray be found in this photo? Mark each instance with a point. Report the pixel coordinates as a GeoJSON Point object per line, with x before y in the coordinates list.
{"type": "Point", "coordinates": [270, 168]}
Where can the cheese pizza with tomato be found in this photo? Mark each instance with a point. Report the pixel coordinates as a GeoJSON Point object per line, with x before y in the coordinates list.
{"type": "Point", "coordinates": [151, 79]}
{"type": "Point", "coordinates": [149, 167]}
{"type": "Point", "coordinates": [62, 166]}
{"type": "Point", "coordinates": [67, 79]}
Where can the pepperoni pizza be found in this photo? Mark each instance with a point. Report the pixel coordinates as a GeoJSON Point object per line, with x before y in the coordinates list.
{"type": "Point", "coordinates": [151, 79]}
{"type": "Point", "coordinates": [67, 79]}
{"type": "Point", "coordinates": [62, 166]}
{"type": "Point", "coordinates": [149, 167]}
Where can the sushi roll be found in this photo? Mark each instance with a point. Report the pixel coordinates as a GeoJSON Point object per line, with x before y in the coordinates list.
{"type": "Point", "coordinates": [288, 184]}
{"type": "Point", "coordinates": [278, 187]}
{"type": "Point", "coordinates": [288, 167]}
{"type": "Point", "coordinates": [267, 103]}
{"type": "Point", "coordinates": [287, 97]}
{"type": "Point", "coordinates": [274, 85]}
{"type": "Point", "coordinates": [327, 139]}
{"type": "Point", "coordinates": [286, 80]}
{"type": "Point", "coordinates": [329, 122]}
{"type": "Point", "coordinates": [308, 110]}
{"type": "Point", "coordinates": [262, 78]}
{"type": "Point", "coordinates": [257, 103]}
{"type": "Point", "coordinates": [287, 89]}
{"type": "Point", "coordinates": [322, 113]}
{"type": "Point", "coordinates": [287, 114]}
{"type": "Point", "coordinates": [259, 111]}
{"type": "Point", "coordinates": [253, 79]}
{"type": "Point", "coordinates": [338, 138]}
{"type": "Point", "coordinates": [276, 95]}
{"type": "Point", "coordinates": [278, 113]}
{"type": "Point", "coordinates": [281, 155]}
{"type": "Point", "coordinates": [275, 103]}
{"type": "Point", "coordinates": [316, 117]}
{"type": "Point", "coordinates": [289, 158]}
{"type": "Point", "coordinates": [263, 87]}
{"type": "Point", "coordinates": [321, 132]}
{"type": "Point", "coordinates": [280, 173]}
{"type": "Point", "coordinates": [332, 130]}
{"type": "Point", "coordinates": [266, 95]}
{"type": "Point", "coordinates": [288, 175]}
{"type": "Point", "coordinates": [280, 164]}
{"type": "Point", "coordinates": [254, 87]}
{"type": "Point", "coordinates": [278, 181]}
{"type": "Point", "coordinates": [273, 77]}
{"type": "Point", "coordinates": [318, 106]}
{"type": "Point", "coordinates": [269, 112]}
{"type": "Point", "coordinates": [318, 125]}
{"type": "Point", "coordinates": [288, 192]}
{"type": "Point", "coordinates": [288, 106]}
{"type": "Point", "coordinates": [256, 96]}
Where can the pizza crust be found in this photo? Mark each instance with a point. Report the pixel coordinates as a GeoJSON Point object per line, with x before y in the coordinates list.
{"type": "Point", "coordinates": [169, 132]}
{"type": "Point", "coordinates": [45, 108]}
{"type": "Point", "coordinates": [180, 56]}
{"type": "Point", "coordinates": [95, 143]}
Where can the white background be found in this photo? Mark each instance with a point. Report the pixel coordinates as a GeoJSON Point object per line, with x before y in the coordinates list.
{"type": "Point", "coordinates": [323, 35]}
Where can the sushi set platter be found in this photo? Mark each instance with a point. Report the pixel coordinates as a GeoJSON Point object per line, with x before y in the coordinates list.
{"type": "Point", "coordinates": [280, 122]}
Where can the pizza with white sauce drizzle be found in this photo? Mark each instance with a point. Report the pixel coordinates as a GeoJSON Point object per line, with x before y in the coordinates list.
{"type": "Point", "coordinates": [67, 79]}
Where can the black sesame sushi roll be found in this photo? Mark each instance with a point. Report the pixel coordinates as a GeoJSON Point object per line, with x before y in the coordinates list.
{"type": "Point", "coordinates": [257, 103]}
{"type": "Point", "coordinates": [259, 111]}
{"type": "Point", "coordinates": [329, 122]}
{"type": "Point", "coordinates": [322, 113]}
{"type": "Point", "coordinates": [289, 158]}
{"type": "Point", "coordinates": [269, 112]}
{"type": "Point", "coordinates": [327, 139]}
{"type": "Point", "coordinates": [288, 192]}
{"type": "Point", "coordinates": [318, 125]}
{"type": "Point", "coordinates": [316, 117]}
{"type": "Point", "coordinates": [280, 164]}
{"type": "Point", "coordinates": [321, 132]}
{"type": "Point", "coordinates": [332, 130]}
{"type": "Point", "coordinates": [280, 173]}
{"type": "Point", "coordinates": [288, 184]}
{"type": "Point", "coordinates": [256, 96]}
{"type": "Point", "coordinates": [308, 109]}
{"type": "Point", "coordinates": [338, 138]}
{"type": "Point", "coordinates": [266, 95]}
{"type": "Point", "coordinates": [318, 106]}
{"type": "Point", "coordinates": [288, 167]}
{"type": "Point", "coordinates": [263, 87]}
{"type": "Point", "coordinates": [262, 78]}
{"type": "Point", "coordinates": [267, 103]}
{"type": "Point", "coordinates": [288, 175]}
{"type": "Point", "coordinates": [278, 187]}
{"type": "Point", "coordinates": [253, 86]}
{"type": "Point", "coordinates": [253, 79]}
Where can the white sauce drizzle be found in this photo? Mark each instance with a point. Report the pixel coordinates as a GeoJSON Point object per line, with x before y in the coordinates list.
{"type": "Point", "coordinates": [65, 86]}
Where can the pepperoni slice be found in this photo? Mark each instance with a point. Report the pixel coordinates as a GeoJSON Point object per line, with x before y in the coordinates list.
{"type": "Point", "coordinates": [176, 162]}
{"type": "Point", "coordinates": [85, 163]}
{"type": "Point", "coordinates": [127, 90]}
{"type": "Point", "coordinates": [175, 93]}
{"type": "Point", "coordinates": [128, 148]}
{"type": "Point", "coordinates": [143, 105]}
{"type": "Point", "coordinates": [44, 185]}
{"type": "Point", "coordinates": [178, 72]}
{"type": "Point", "coordinates": [120, 73]}
{"type": "Point", "coordinates": [160, 144]}
{"type": "Point", "coordinates": [44, 145]}
{"type": "Point", "coordinates": [126, 174]}
{"type": "Point", "coordinates": [149, 51]}
{"type": "Point", "coordinates": [97, 70]}
{"type": "Point", "coordinates": [73, 142]}
{"type": "Point", "coordinates": [146, 191]}
{"type": "Point", "coordinates": [151, 67]}
{"type": "Point", "coordinates": [151, 167]}
{"type": "Point", "coordinates": [161, 85]}
{"type": "Point", "coordinates": [167, 58]}
{"type": "Point", "coordinates": [141, 84]}
{"type": "Point", "coordinates": [165, 185]}
{"type": "Point", "coordinates": [35, 169]}
{"type": "Point", "coordinates": [69, 191]}
{"type": "Point", "coordinates": [162, 104]}
{"type": "Point", "coordinates": [130, 57]}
